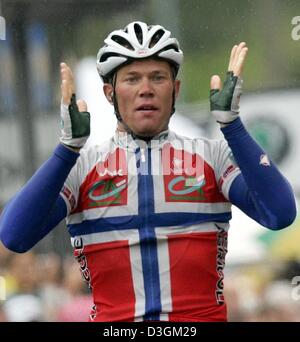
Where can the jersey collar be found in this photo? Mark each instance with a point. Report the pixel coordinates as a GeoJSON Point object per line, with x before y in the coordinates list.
{"type": "Point", "coordinates": [125, 140]}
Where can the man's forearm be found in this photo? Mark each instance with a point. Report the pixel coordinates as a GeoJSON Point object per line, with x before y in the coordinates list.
{"type": "Point", "coordinates": [35, 210]}
{"type": "Point", "coordinates": [269, 191]}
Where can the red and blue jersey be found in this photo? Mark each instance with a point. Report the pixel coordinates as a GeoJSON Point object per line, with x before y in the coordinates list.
{"type": "Point", "coordinates": [149, 222]}
{"type": "Point", "coordinates": [149, 226]}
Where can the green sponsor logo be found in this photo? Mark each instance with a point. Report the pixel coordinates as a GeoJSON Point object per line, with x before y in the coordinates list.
{"type": "Point", "coordinates": [109, 189]}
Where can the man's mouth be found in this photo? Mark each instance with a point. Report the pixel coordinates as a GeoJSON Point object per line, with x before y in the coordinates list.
{"type": "Point", "coordinates": [146, 108]}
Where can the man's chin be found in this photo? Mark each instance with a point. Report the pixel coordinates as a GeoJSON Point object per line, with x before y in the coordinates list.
{"type": "Point", "coordinates": [149, 133]}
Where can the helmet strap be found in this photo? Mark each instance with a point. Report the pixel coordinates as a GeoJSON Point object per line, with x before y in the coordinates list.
{"type": "Point", "coordinates": [173, 102]}
{"type": "Point", "coordinates": [114, 98]}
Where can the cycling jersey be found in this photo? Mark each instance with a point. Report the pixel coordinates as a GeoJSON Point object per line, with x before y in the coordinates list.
{"type": "Point", "coordinates": [149, 226]}
{"type": "Point", "coordinates": [149, 222]}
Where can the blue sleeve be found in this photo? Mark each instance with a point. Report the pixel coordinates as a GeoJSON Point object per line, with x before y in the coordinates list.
{"type": "Point", "coordinates": [37, 208]}
{"type": "Point", "coordinates": [260, 191]}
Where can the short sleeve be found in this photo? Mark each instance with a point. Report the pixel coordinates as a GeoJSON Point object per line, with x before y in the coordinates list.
{"type": "Point", "coordinates": [70, 190]}
{"type": "Point", "coordinates": [226, 168]}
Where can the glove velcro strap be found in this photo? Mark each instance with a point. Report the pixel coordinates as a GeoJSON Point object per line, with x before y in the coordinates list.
{"type": "Point", "coordinates": [80, 121]}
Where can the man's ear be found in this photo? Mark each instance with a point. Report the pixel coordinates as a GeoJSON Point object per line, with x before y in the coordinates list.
{"type": "Point", "coordinates": [108, 92]}
{"type": "Point", "coordinates": [177, 87]}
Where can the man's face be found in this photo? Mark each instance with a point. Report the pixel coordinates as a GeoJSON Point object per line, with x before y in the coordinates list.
{"type": "Point", "coordinates": [144, 92]}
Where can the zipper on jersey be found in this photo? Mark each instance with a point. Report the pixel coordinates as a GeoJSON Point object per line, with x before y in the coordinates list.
{"type": "Point", "coordinates": [143, 157]}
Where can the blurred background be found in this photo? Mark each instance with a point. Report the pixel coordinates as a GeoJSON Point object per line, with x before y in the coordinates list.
{"type": "Point", "coordinates": [262, 266]}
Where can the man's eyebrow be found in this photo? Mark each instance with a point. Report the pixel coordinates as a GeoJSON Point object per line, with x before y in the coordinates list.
{"type": "Point", "coordinates": [130, 73]}
{"type": "Point", "coordinates": [159, 72]}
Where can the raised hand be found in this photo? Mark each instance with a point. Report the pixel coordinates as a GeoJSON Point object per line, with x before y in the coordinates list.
{"type": "Point", "coordinates": [224, 101]}
{"type": "Point", "coordinates": [75, 120]}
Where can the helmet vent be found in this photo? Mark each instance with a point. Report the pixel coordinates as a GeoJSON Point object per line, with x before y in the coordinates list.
{"type": "Point", "coordinates": [122, 41]}
{"type": "Point", "coordinates": [170, 47]}
{"type": "Point", "coordinates": [139, 33]}
{"type": "Point", "coordinates": [106, 56]}
{"type": "Point", "coordinates": [156, 38]}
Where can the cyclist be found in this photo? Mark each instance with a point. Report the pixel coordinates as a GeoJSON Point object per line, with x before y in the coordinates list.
{"type": "Point", "coordinates": [148, 211]}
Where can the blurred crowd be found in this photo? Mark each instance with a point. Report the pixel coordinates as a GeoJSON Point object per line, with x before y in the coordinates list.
{"type": "Point", "coordinates": [267, 291]}
{"type": "Point", "coordinates": [46, 287]}
{"type": "Point", "coordinates": [42, 287]}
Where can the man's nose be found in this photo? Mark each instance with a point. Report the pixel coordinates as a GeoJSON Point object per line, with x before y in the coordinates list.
{"type": "Point", "coordinates": [146, 88]}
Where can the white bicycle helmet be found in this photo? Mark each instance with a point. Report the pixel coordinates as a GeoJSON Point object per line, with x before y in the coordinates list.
{"type": "Point", "coordinates": [137, 41]}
